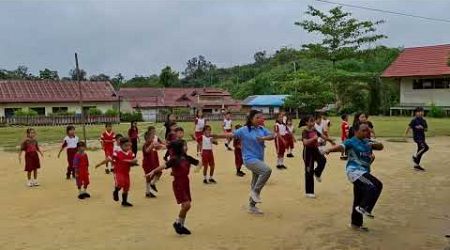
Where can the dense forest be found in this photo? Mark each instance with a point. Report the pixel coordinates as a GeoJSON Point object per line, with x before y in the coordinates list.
{"type": "Point", "coordinates": [343, 69]}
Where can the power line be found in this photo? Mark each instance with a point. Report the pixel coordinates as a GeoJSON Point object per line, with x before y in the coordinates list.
{"type": "Point", "coordinates": [386, 11]}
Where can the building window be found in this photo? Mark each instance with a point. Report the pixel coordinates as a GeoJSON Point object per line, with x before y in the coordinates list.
{"type": "Point", "coordinates": [433, 83]}
{"type": "Point", "coordinates": [9, 112]}
{"type": "Point", "coordinates": [39, 110]}
{"type": "Point", "coordinates": [57, 110]}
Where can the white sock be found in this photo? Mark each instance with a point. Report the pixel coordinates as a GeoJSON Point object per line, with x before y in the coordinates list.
{"type": "Point", "coordinates": [180, 220]}
{"type": "Point", "coordinates": [206, 177]}
{"type": "Point", "coordinates": [153, 181]}
{"type": "Point", "coordinates": [280, 161]}
{"type": "Point", "coordinates": [147, 187]}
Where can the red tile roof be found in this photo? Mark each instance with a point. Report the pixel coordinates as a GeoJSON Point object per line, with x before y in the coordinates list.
{"type": "Point", "coordinates": [421, 61]}
{"type": "Point", "coordinates": [21, 91]}
{"type": "Point", "coordinates": [177, 97]}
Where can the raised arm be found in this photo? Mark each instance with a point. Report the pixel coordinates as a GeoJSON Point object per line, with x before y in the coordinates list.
{"type": "Point", "coordinates": [335, 148]}
{"type": "Point", "coordinates": [377, 146]}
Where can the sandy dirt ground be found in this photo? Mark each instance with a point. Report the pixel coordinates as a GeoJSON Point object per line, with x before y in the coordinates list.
{"type": "Point", "coordinates": [412, 213]}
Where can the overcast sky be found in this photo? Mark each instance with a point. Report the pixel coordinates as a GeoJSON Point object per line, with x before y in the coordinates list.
{"type": "Point", "coordinates": [141, 37]}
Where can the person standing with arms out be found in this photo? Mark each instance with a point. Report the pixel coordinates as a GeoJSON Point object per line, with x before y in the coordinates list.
{"type": "Point", "coordinates": [70, 144]}
{"type": "Point", "coordinates": [31, 148]}
{"type": "Point", "coordinates": [291, 137]}
{"type": "Point", "coordinates": [344, 133]}
{"type": "Point", "coordinates": [228, 129]}
{"type": "Point", "coordinates": [252, 137]}
{"type": "Point", "coordinates": [281, 133]}
{"type": "Point", "coordinates": [238, 161]}
{"type": "Point", "coordinates": [200, 123]}
{"type": "Point", "coordinates": [133, 135]}
{"type": "Point", "coordinates": [107, 140]}
{"type": "Point", "coordinates": [312, 154]}
{"type": "Point", "coordinates": [366, 187]}
{"type": "Point", "coordinates": [419, 126]}
{"type": "Point", "coordinates": [81, 167]}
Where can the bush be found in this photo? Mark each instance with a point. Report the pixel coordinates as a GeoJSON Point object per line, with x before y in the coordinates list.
{"type": "Point", "coordinates": [129, 117]}
{"type": "Point", "coordinates": [25, 113]}
{"type": "Point", "coordinates": [62, 114]}
{"type": "Point", "coordinates": [436, 111]}
{"type": "Point", "coordinates": [111, 112]}
{"type": "Point", "coordinates": [94, 111]}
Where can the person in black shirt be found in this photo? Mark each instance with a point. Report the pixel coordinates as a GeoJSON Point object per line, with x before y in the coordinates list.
{"type": "Point", "coordinates": [419, 126]}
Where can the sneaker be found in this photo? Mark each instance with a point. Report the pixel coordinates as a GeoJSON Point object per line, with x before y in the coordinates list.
{"type": "Point", "coordinates": [318, 178]}
{"type": "Point", "coordinates": [112, 170]}
{"type": "Point", "coordinates": [126, 204]}
{"type": "Point", "coordinates": [81, 196]}
{"type": "Point", "coordinates": [205, 181]}
{"type": "Point", "coordinates": [415, 160]}
{"type": "Point", "coordinates": [311, 196]}
{"type": "Point", "coordinates": [211, 180]}
{"type": "Point", "coordinates": [87, 195]}
{"type": "Point", "coordinates": [359, 228]}
{"type": "Point", "coordinates": [107, 171]}
{"type": "Point", "coordinates": [364, 212]}
{"type": "Point", "coordinates": [240, 173]}
{"type": "Point", "coordinates": [255, 210]}
{"type": "Point", "coordinates": [150, 195]}
{"type": "Point", "coordinates": [178, 228]}
{"type": "Point", "coordinates": [419, 168]}
{"type": "Point", "coordinates": [29, 183]}
{"type": "Point", "coordinates": [153, 188]}
{"type": "Point", "coordinates": [283, 166]}
{"type": "Point", "coordinates": [290, 155]}
{"type": "Point", "coordinates": [280, 167]}
{"type": "Point", "coordinates": [184, 230]}
{"type": "Point", "coordinates": [35, 183]}
{"type": "Point", "coordinates": [116, 195]}
{"type": "Point", "coordinates": [255, 197]}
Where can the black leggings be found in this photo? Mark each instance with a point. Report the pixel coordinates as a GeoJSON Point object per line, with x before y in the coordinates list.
{"type": "Point", "coordinates": [310, 156]}
{"type": "Point", "coordinates": [134, 146]}
{"type": "Point", "coordinates": [366, 190]}
{"type": "Point", "coordinates": [422, 148]}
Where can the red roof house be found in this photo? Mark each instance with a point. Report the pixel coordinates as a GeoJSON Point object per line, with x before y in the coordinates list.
{"type": "Point", "coordinates": [423, 75]}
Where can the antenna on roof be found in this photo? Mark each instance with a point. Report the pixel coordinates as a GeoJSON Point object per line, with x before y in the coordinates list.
{"type": "Point", "coordinates": [81, 97]}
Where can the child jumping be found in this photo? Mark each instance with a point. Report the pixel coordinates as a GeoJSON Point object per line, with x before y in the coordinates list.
{"type": "Point", "coordinates": [151, 160]}
{"type": "Point", "coordinates": [281, 134]}
{"type": "Point", "coordinates": [32, 164]}
{"type": "Point", "coordinates": [419, 126]}
{"type": "Point", "coordinates": [180, 164]}
{"type": "Point", "coordinates": [200, 123]}
{"type": "Point", "coordinates": [81, 167]}
{"type": "Point", "coordinates": [312, 154]}
{"type": "Point", "coordinates": [228, 129]}
{"type": "Point", "coordinates": [123, 161]}
{"type": "Point", "coordinates": [290, 138]}
{"type": "Point", "coordinates": [238, 154]}
{"type": "Point", "coordinates": [107, 140]}
{"type": "Point", "coordinates": [70, 144]}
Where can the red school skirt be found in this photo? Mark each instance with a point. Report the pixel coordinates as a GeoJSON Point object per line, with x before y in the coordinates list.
{"type": "Point", "coordinates": [207, 158]}
{"type": "Point", "coordinates": [181, 189]}
{"type": "Point", "coordinates": [32, 161]}
{"type": "Point", "coordinates": [150, 162]}
{"type": "Point", "coordinates": [280, 146]}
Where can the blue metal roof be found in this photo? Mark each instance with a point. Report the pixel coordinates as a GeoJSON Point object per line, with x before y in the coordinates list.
{"type": "Point", "coordinates": [265, 100]}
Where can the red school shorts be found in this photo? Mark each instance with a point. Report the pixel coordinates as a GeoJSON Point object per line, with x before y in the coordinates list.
{"type": "Point", "coordinates": [280, 146]}
{"type": "Point", "coordinates": [109, 150]}
{"type": "Point", "coordinates": [198, 136]}
{"type": "Point", "coordinates": [32, 161]}
{"type": "Point", "coordinates": [123, 181]}
{"type": "Point", "coordinates": [151, 162]}
{"type": "Point", "coordinates": [181, 189]}
{"type": "Point", "coordinates": [82, 179]}
{"type": "Point", "coordinates": [207, 158]}
{"type": "Point", "coordinates": [71, 152]}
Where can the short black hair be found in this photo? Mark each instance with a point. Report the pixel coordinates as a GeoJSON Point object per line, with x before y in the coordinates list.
{"type": "Point", "coordinates": [418, 109]}
{"type": "Point", "coordinates": [178, 129]}
{"type": "Point", "coordinates": [344, 116]}
{"type": "Point", "coordinates": [81, 144]}
{"type": "Point", "coordinates": [108, 124]}
{"type": "Point", "coordinates": [206, 127]}
{"type": "Point", "coordinates": [118, 136]}
{"type": "Point", "coordinates": [124, 140]}
{"type": "Point", "coordinates": [70, 127]}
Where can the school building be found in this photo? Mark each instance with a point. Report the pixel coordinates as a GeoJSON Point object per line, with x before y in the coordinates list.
{"type": "Point", "coordinates": [268, 104]}
{"type": "Point", "coordinates": [47, 97]}
{"type": "Point", "coordinates": [153, 101]}
{"type": "Point", "coordinates": [423, 76]}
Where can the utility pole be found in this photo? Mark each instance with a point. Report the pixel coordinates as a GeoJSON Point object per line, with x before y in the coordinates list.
{"type": "Point", "coordinates": [83, 122]}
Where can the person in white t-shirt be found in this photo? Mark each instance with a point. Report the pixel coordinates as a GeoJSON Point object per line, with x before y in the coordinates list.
{"type": "Point", "coordinates": [70, 145]}
{"type": "Point", "coordinates": [200, 123]}
{"type": "Point", "coordinates": [228, 129]}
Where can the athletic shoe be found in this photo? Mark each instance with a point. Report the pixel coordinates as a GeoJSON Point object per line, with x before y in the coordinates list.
{"type": "Point", "coordinates": [283, 166]}
{"type": "Point", "coordinates": [364, 212]}
{"type": "Point", "coordinates": [112, 170]}
{"type": "Point", "coordinates": [184, 230]}
{"type": "Point", "coordinates": [178, 228]}
{"type": "Point", "coordinates": [211, 180]}
{"type": "Point", "coordinates": [35, 183]}
{"type": "Point", "coordinates": [290, 155]}
{"type": "Point", "coordinates": [415, 160]}
{"type": "Point", "coordinates": [311, 196]}
{"type": "Point", "coordinates": [29, 183]}
{"type": "Point", "coordinates": [87, 195]}
{"type": "Point", "coordinates": [116, 195]}
{"type": "Point", "coordinates": [153, 188]}
{"type": "Point", "coordinates": [240, 173]}
{"type": "Point", "coordinates": [419, 168]}
{"type": "Point", "coordinates": [359, 228]}
{"type": "Point", "coordinates": [150, 195]}
{"type": "Point", "coordinates": [126, 204]}
{"type": "Point", "coordinates": [81, 196]}
{"type": "Point", "coordinates": [255, 210]}
{"type": "Point", "coordinates": [280, 167]}
{"type": "Point", "coordinates": [318, 178]}
{"type": "Point", "coordinates": [205, 181]}
{"type": "Point", "coordinates": [107, 171]}
{"type": "Point", "coordinates": [255, 197]}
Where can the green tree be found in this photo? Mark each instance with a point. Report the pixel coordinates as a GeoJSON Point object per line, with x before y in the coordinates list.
{"type": "Point", "coordinates": [260, 57]}
{"type": "Point", "coordinates": [117, 81]}
{"type": "Point", "coordinates": [168, 77]}
{"type": "Point", "coordinates": [199, 72]}
{"type": "Point", "coordinates": [48, 74]}
{"type": "Point", "coordinates": [100, 78]}
{"type": "Point", "coordinates": [74, 77]}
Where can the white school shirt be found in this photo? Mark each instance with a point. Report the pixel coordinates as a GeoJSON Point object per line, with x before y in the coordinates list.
{"type": "Point", "coordinates": [281, 129]}
{"type": "Point", "coordinates": [206, 142]}
{"type": "Point", "coordinates": [199, 124]}
{"type": "Point", "coordinates": [319, 129]}
{"type": "Point", "coordinates": [227, 124]}
{"type": "Point", "coordinates": [71, 142]}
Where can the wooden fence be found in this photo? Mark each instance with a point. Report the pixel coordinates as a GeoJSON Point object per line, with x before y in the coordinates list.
{"type": "Point", "coordinates": [209, 117]}
{"type": "Point", "coordinates": [56, 120]}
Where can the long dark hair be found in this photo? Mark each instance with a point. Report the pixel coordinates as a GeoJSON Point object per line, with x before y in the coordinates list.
{"type": "Point", "coordinates": [356, 118]}
{"type": "Point", "coordinates": [250, 117]}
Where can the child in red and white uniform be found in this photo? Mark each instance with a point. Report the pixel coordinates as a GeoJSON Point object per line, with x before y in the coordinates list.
{"type": "Point", "coordinates": [180, 163]}
{"type": "Point", "coordinates": [70, 145]}
{"type": "Point", "coordinates": [207, 140]}
{"type": "Point", "coordinates": [345, 128]}
{"type": "Point", "coordinates": [200, 123]}
{"type": "Point", "coordinates": [281, 134]}
{"type": "Point", "coordinates": [107, 140]}
{"type": "Point", "coordinates": [228, 129]}
{"type": "Point", "coordinates": [81, 167]}
{"type": "Point", "coordinates": [32, 164]}
{"type": "Point", "coordinates": [123, 160]}
{"type": "Point", "coordinates": [290, 139]}
{"type": "Point", "coordinates": [151, 160]}
{"type": "Point", "coordinates": [238, 154]}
